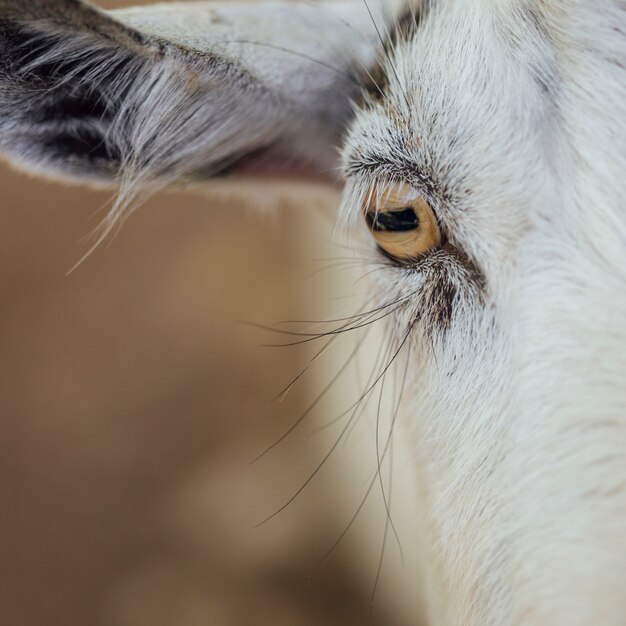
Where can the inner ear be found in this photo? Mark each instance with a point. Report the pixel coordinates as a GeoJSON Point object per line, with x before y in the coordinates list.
{"type": "Point", "coordinates": [64, 105]}
{"type": "Point", "coordinates": [60, 90]}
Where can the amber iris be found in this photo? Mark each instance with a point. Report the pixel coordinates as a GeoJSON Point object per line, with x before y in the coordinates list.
{"type": "Point", "coordinates": [402, 223]}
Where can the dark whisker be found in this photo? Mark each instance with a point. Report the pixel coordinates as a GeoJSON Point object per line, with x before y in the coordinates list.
{"type": "Point", "coordinates": [315, 336]}
{"type": "Point", "coordinates": [314, 473]}
{"type": "Point", "coordinates": [380, 458]}
{"type": "Point", "coordinates": [281, 396]}
{"type": "Point", "coordinates": [318, 354]}
{"type": "Point", "coordinates": [351, 317]}
{"type": "Point", "coordinates": [385, 535]}
{"type": "Point", "coordinates": [376, 269]}
{"type": "Point", "coordinates": [314, 403]}
{"type": "Point", "coordinates": [375, 475]}
{"type": "Point", "coordinates": [341, 434]}
{"type": "Point", "coordinates": [381, 357]}
{"type": "Point", "coordinates": [370, 388]}
{"type": "Point", "coordinates": [386, 51]}
{"type": "Point", "coordinates": [344, 266]}
{"type": "Point", "coordinates": [353, 519]}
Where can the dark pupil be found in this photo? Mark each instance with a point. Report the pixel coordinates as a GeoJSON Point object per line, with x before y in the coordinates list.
{"type": "Point", "coordinates": [394, 221]}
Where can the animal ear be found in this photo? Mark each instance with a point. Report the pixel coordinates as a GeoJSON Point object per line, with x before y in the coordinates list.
{"type": "Point", "coordinates": [184, 90]}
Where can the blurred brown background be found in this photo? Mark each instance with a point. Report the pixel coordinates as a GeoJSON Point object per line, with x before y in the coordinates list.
{"type": "Point", "coordinates": [131, 405]}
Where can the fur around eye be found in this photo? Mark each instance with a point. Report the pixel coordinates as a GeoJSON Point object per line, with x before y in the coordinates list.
{"type": "Point", "coordinates": [402, 223]}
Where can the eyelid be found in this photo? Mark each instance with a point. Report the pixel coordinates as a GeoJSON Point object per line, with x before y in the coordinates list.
{"type": "Point", "coordinates": [397, 195]}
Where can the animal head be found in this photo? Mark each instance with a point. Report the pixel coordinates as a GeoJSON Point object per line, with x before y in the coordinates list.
{"type": "Point", "coordinates": [480, 146]}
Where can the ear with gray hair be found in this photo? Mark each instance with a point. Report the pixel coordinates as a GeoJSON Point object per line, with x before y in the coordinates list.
{"type": "Point", "coordinates": [179, 90]}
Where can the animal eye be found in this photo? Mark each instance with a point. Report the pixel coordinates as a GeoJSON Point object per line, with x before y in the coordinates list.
{"type": "Point", "coordinates": [402, 223]}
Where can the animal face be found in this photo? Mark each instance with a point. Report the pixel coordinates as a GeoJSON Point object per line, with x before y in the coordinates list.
{"type": "Point", "coordinates": [483, 164]}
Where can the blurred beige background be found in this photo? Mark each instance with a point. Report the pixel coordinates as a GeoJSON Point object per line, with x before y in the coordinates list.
{"type": "Point", "coordinates": [131, 405]}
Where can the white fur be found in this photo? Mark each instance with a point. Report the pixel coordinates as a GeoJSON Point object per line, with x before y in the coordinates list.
{"type": "Point", "coordinates": [516, 411]}
{"type": "Point", "coordinates": [519, 417]}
